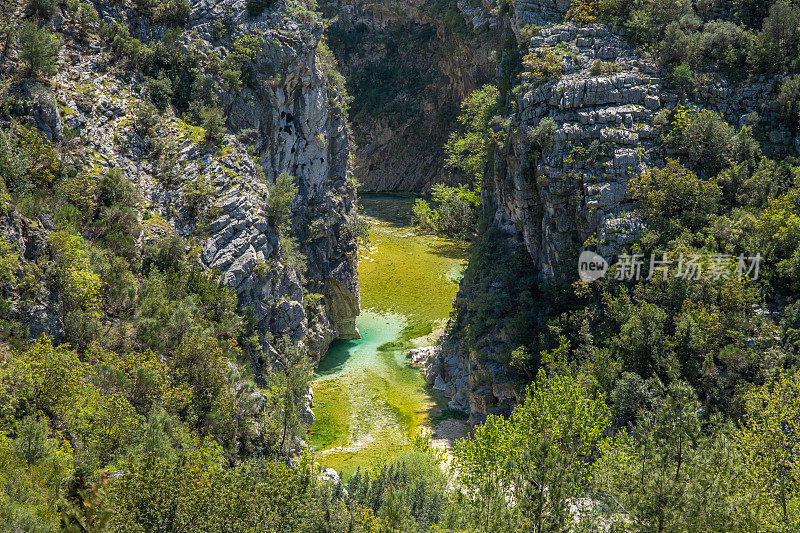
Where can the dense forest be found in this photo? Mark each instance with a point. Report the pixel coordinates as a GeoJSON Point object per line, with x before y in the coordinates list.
{"type": "Point", "coordinates": [166, 264]}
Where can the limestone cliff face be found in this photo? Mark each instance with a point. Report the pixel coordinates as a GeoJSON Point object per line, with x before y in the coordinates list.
{"type": "Point", "coordinates": [289, 113]}
{"type": "Point", "coordinates": [408, 66]}
{"type": "Point", "coordinates": [603, 135]}
{"type": "Point", "coordinates": [553, 194]}
{"type": "Point", "coordinates": [300, 129]}
{"type": "Point", "coordinates": [560, 176]}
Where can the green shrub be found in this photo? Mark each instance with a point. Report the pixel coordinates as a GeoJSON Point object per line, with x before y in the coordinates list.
{"type": "Point", "coordinates": [723, 45]}
{"type": "Point", "coordinates": [535, 457]}
{"type": "Point", "coordinates": [164, 311]}
{"type": "Point", "coordinates": [33, 444]}
{"type": "Point", "coordinates": [778, 43]}
{"type": "Point", "coordinates": [9, 262]}
{"type": "Point", "coordinates": [165, 254]}
{"type": "Point", "coordinates": [240, 59]}
{"type": "Point", "coordinates": [603, 67]}
{"type": "Point", "coordinates": [543, 65]}
{"type": "Point", "coordinates": [291, 253]}
{"type": "Point", "coordinates": [335, 80]}
{"type": "Point", "coordinates": [168, 166]}
{"type": "Point", "coordinates": [159, 90]}
{"type": "Point", "coordinates": [145, 118]}
{"type": "Point", "coordinates": [454, 211]}
{"type": "Point", "coordinates": [80, 190]}
{"type": "Point", "coordinates": [214, 125]}
{"type": "Point", "coordinates": [282, 195]}
{"type": "Point", "coordinates": [198, 195]}
{"type": "Point", "coordinates": [424, 216]}
{"type": "Point", "coordinates": [119, 229]}
{"type": "Point", "coordinates": [41, 9]}
{"type": "Point", "coordinates": [232, 78]}
{"type": "Point", "coordinates": [80, 286]}
{"type": "Point", "coordinates": [789, 101]}
{"type": "Point", "coordinates": [14, 165]}
{"type": "Point", "coordinates": [675, 192]}
{"type": "Point", "coordinates": [647, 21]}
{"type": "Point", "coordinates": [676, 46]}
{"type": "Point", "coordinates": [356, 228]}
{"type": "Point", "coordinates": [86, 16]}
{"type": "Point", "coordinates": [82, 328]}
{"type": "Point", "coordinates": [542, 135]}
{"type": "Point", "coordinates": [134, 53]}
{"type": "Point", "coordinates": [120, 285]}
{"type": "Point", "coordinates": [469, 151]}
{"type": "Point", "coordinates": [707, 143]}
{"type": "Point", "coordinates": [117, 190]}
{"type": "Point", "coordinates": [414, 477]}
{"type": "Point", "coordinates": [582, 12]}
{"type": "Point", "coordinates": [682, 74]}
{"type": "Point", "coordinates": [38, 49]}
{"type": "Point", "coordinates": [173, 12]}
{"type": "Point", "coordinates": [27, 160]}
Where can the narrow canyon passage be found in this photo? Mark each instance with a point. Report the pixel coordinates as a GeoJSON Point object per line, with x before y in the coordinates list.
{"type": "Point", "coordinates": [368, 401]}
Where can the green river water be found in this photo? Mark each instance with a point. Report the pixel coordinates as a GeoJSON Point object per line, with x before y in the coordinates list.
{"type": "Point", "coordinates": [367, 399]}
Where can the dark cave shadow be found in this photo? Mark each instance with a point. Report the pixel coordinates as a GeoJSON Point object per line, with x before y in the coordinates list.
{"type": "Point", "coordinates": [336, 357]}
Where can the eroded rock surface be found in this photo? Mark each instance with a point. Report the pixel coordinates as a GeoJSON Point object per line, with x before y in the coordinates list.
{"type": "Point", "coordinates": [290, 115]}
{"type": "Point", "coordinates": [552, 196]}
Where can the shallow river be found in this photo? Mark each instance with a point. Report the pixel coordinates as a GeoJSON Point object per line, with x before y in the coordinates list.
{"type": "Point", "coordinates": [367, 399]}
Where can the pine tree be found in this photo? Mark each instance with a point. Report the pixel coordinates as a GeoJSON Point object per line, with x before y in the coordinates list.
{"type": "Point", "coordinates": [38, 49]}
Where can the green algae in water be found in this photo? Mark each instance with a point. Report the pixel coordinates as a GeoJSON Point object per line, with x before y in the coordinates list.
{"type": "Point", "coordinates": [402, 272]}
{"type": "Point", "coordinates": [367, 399]}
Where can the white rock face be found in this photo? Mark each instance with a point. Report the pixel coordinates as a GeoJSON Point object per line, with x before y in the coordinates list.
{"type": "Point", "coordinates": [291, 114]}
{"type": "Point", "coordinates": [604, 135]}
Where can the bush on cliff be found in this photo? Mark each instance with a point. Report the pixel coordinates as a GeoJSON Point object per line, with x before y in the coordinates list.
{"type": "Point", "coordinates": [41, 9]}
{"type": "Point", "coordinates": [469, 150]}
{"type": "Point", "coordinates": [38, 49]}
{"type": "Point", "coordinates": [543, 64]}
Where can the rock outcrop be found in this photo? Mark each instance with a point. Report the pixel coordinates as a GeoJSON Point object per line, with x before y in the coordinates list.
{"type": "Point", "coordinates": [560, 176]}
{"type": "Point", "coordinates": [408, 66]}
{"type": "Point", "coordinates": [288, 117]}
{"type": "Point", "coordinates": [603, 135]}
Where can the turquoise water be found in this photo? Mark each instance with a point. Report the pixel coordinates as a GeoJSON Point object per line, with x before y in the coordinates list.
{"type": "Point", "coordinates": [368, 401]}
{"type": "Point", "coordinates": [345, 356]}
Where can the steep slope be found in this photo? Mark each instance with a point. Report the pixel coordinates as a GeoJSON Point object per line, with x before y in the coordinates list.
{"type": "Point", "coordinates": [588, 113]}
{"type": "Point", "coordinates": [215, 197]}
{"type": "Point", "coordinates": [408, 66]}
{"type": "Point", "coordinates": [558, 179]}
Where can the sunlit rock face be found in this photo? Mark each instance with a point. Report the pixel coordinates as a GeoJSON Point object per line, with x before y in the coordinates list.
{"type": "Point", "coordinates": [286, 117]}
{"type": "Point", "coordinates": [300, 129]}
{"type": "Point", "coordinates": [344, 309]}
{"type": "Point", "coordinates": [576, 187]}
{"type": "Point", "coordinates": [552, 191]}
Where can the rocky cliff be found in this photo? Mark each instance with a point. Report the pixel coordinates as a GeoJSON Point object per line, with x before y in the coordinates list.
{"type": "Point", "coordinates": [559, 178]}
{"type": "Point", "coordinates": [408, 66]}
{"type": "Point", "coordinates": [288, 117]}
{"type": "Point", "coordinates": [570, 144]}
